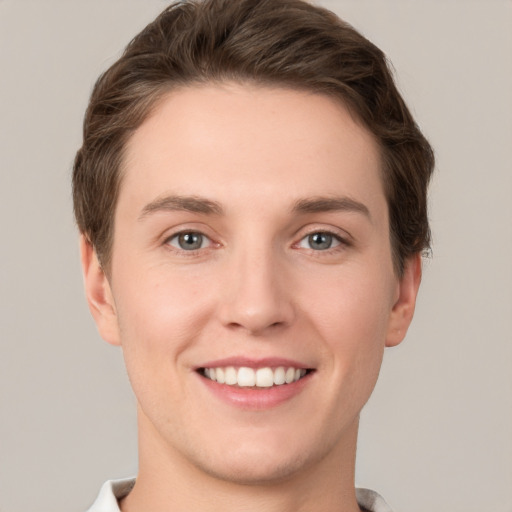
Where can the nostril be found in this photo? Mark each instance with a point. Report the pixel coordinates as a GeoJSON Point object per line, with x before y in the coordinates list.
{"type": "Point", "coordinates": [256, 328]}
{"type": "Point", "coordinates": [255, 309]}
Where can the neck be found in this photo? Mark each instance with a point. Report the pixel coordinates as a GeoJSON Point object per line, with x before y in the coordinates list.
{"type": "Point", "coordinates": [168, 481]}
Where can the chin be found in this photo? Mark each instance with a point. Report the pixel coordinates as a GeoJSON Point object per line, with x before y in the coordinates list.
{"type": "Point", "coordinates": [253, 470]}
{"type": "Point", "coordinates": [261, 463]}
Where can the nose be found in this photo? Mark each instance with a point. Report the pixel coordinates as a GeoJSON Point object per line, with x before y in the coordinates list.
{"type": "Point", "coordinates": [256, 294]}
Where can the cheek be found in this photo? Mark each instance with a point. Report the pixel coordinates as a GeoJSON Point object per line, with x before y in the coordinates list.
{"type": "Point", "coordinates": [159, 313]}
{"type": "Point", "coordinates": [353, 307]}
{"type": "Point", "coordinates": [351, 316]}
{"type": "Point", "coordinates": [158, 319]}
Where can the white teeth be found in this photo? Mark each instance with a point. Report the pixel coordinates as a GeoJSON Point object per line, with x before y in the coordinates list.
{"type": "Point", "coordinates": [279, 376]}
{"type": "Point", "coordinates": [220, 376]}
{"type": "Point", "coordinates": [231, 377]}
{"type": "Point", "coordinates": [290, 375]}
{"type": "Point", "coordinates": [265, 378]}
{"type": "Point", "coordinates": [248, 377]}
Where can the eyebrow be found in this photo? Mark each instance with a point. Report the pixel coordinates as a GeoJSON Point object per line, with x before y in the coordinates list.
{"type": "Point", "coordinates": [173, 203]}
{"type": "Point", "coordinates": [197, 204]}
{"type": "Point", "coordinates": [330, 204]}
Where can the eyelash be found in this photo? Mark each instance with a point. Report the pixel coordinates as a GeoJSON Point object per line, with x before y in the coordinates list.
{"type": "Point", "coordinates": [340, 242]}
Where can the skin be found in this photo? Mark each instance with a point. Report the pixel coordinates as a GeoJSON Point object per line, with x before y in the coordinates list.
{"type": "Point", "coordinates": [257, 287]}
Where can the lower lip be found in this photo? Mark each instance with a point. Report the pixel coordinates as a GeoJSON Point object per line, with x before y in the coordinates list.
{"type": "Point", "coordinates": [256, 398]}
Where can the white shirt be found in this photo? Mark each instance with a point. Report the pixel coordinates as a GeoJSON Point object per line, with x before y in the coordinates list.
{"type": "Point", "coordinates": [114, 490]}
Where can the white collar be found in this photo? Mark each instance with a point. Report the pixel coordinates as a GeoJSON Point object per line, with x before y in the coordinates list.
{"type": "Point", "coordinates": [114, 490]}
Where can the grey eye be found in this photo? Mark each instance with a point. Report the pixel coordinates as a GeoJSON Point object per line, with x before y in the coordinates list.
{"type": "Point", "coordinates": [188, 241]}
{"type": "Point", "coordinates": [320, 241]}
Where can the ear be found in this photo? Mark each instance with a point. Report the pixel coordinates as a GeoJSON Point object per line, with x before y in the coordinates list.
{"type": "Point", "coordinates": [99, 294]}
{"type": "Point", "coordinates": [403, 309]}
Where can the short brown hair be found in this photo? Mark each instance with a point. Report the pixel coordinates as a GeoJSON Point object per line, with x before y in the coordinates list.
{"type": "Point", "coordinates": [288, 43]}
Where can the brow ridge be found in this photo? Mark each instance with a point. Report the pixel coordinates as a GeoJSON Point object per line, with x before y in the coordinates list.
{"type": "Point", "coordinates": [198, 204]}
{"type": "Point", "coordinates": [327, 204]}
{"type": "Point", "coordinates": [195, 204]}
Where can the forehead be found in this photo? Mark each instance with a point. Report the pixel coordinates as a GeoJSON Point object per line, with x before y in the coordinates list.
{"type": "Point", "coordinates": [233, 140]}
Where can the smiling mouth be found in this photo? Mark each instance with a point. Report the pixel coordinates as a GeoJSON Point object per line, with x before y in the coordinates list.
{"type": "Point", "coordinates": [262, 378]}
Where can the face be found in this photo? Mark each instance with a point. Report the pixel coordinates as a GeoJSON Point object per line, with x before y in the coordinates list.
{"type": "Point", "coordinates": [252, 287]}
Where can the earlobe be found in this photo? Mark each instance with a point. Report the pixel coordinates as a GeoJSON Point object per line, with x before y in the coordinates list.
{"type": "Point", "coordinates": [99, 294]}
{"type": "Point", "coordinates": [403, 309]}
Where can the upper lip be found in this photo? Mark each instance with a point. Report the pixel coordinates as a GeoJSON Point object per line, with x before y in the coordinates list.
{"type": "Point", "coordinates": [247, 362]}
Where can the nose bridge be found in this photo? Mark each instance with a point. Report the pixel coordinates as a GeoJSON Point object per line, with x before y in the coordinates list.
{"type": "Point", "coordinates": [254, 298]}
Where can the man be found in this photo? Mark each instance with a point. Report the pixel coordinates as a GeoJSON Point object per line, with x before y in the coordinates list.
{"type": "Point", "coordinates": [251, 196]}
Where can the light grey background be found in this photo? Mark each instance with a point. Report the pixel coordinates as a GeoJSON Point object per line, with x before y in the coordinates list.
{"type": "Point", "coordinates": [437, 433]}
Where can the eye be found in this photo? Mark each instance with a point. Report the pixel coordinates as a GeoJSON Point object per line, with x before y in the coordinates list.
{"type": "Point", "coordinates": [189, 241]}
{"type": "Point", "coordinates": [319, 241]}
